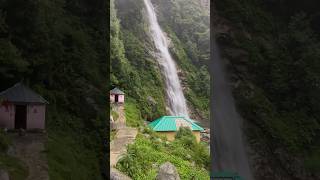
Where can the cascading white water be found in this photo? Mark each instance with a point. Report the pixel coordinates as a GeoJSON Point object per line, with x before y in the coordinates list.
{"type": "Point", "coordinates": [229, 152]}
{"type": "Point", "coordinates": [176, 100]}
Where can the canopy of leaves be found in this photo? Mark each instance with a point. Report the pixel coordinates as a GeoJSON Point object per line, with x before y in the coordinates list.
{"type": "Point", "coordinates": [281, 91]}
{"type": "Point", "coordinates": [58, 48]}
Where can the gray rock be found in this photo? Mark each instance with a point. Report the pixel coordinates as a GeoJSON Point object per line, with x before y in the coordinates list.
{"type": "Point", "coordinates": [151, 100]}
{"type": "Point", "coordinates": [167, 171]}
{"type": "Point", "coordinates": [155, 165]}
{"type": "Point", "coordinates": [11, 151]}
{"type": "Point", "coordinates": [147, 136]}
{"type": "Point", "coordinates": [188, 156]}
{"type": "Point", "coordinates": [117, 175]}
{"type": "Point", "coordinates": [4, 175]}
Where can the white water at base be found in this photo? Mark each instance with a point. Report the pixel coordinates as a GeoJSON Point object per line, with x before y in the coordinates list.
{"type": "Point", "coordinates": [176, 100]}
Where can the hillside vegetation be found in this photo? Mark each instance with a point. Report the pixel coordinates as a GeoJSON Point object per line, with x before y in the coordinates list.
{"type": "Point", "coordinates": [186, 23]}
{"type": "Point", "coordinates": [59, 48]}
{"type": "Point", "coordinates": [17, 170]}
{"type": "Point", "coordinates": [150, 150]}
{"type": "Point", "coordinates": [274, 50]}
{"type": "Point", "coordinates": [135, 70]}
{"type": "Point", "coordinates": [134, 67]}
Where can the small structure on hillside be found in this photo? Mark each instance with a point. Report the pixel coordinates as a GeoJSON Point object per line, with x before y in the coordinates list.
{"type": "Point", "coordinates": [116, 96]}
{"type": "Point", "coordinates": [22, 108]}
{"type": "Point", "coordinates": [169, 125]}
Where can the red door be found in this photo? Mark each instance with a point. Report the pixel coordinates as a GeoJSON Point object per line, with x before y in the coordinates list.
{"type": "Point", "coordinates": [116, 98]}
{"type": "Point", "coordinates": [20, 117]}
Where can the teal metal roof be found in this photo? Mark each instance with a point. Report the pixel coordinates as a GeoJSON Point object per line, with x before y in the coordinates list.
{"type": "Point", "coordinates": [226, 175]}
{"type": "Point", "coordinates": [169, 123]}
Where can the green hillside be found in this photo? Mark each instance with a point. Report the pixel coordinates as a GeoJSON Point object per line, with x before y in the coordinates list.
{"type": "Point", "coordinates": [135, 69]}
{"type": "Point", "coordinates": [58, 48]}
{"type": "Point", "coordinates": [273, 47]}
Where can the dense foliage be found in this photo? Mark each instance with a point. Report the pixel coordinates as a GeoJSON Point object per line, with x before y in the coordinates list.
{"type": "Point", "coordinates": [151, 150]}
{"type": "Point", "coordinates": [59, 49]}
{"type": "Point", "coordinates": [134, 67]}
{"type": "Point", "coordinates": [135, 70]}
{"type": "Point", "coordinates": [279, 93]}
{"type": "Point", "coordinates": [16, 169]}
{"type": "Point", "coordinates": [186, 23]}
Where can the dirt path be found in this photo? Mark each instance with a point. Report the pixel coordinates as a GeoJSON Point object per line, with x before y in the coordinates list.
{"type": "Point", "coordinates": [118, 146]}
{"type": "Point", "coordinates": [30, 149]}
{"type": "Point", "coordinates": [121, 121]}
{"type": "Point", "coordinates": [124, 136]}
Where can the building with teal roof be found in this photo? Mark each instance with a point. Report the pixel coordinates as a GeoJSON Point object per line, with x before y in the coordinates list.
{"type": "Point", "coordinates": [169, 125]}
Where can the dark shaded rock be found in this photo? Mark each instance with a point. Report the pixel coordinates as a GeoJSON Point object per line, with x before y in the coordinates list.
{"type": "Point", "coordinates": [167, 171]}
{"type": "Point", "coordinates": [4, 175]}
{"type": "Point", "coordinates": [22, 132]}
{"type": "Point", "coordinates": [11, 151]}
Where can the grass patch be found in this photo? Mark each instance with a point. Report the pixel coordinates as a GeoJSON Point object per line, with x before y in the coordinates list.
{"type": "Point", "coordinates": [112, 135]}
{"type": "Point", "coordinates": [313, 161]}
{"type": "Point", "coordinates": [132, 113]}
{"type": "Point", "coordinates": [17, 169]}
{"type": "Point", "coordinates": [146, 155]}
{"type": "Point", "coordinates": [115, 115]}
{"type": "Point", "coordinates": [69, 158]}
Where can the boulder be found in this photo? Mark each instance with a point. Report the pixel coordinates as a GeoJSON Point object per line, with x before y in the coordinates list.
{"type": "Point", "coordinates": [4, 175]}
{"type": "Point", "coordinates": [167, 171]}
{"type": "Point", "coordinates": [151, 100]}
{"type": "Point", "coordinates": [117, 175]}
{"type": "Point", "coordinates": [11, 151]}
{"type": "Point", "coordinates": [22, 132]}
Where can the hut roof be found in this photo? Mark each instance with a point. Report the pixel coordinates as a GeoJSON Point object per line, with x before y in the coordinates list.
{"type": "Point", "coordinates": [116, 91]}
{"type": "Point", "coordinates": [21, 93]}
{"type": "Point", "coordinates": [172, 123]}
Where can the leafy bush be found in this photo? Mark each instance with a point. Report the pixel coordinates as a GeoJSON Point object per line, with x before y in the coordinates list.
{"type": "Point", "coordinates": [4, 141]}
{"type": "Point", "coordinates": [115, 115]}
{"type": "Point", "coordinates": [132, 113]}
{"type": "Point", "coordinates": [279, 86]}
{"type": "Point", "coordinates": [17, 169]}
{"type": "Point", "coordinates": [146, 155]}
{"type": "Point", "coordinates": [185, 136]}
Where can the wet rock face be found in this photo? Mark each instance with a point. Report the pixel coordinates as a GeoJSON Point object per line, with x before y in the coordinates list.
{"type": "Point", "coordinates": [167, 171]}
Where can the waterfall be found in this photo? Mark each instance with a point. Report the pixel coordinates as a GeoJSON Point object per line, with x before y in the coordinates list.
{"type": "Point", "coordinates": [229, 152]}
{"type": "Point", "coordinates": [176, 100]}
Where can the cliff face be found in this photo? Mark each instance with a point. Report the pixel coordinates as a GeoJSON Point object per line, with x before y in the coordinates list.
{"type": "Point", "coordinates": [270, 48]}
{"type": "Point", "coordinates": [135, 68]}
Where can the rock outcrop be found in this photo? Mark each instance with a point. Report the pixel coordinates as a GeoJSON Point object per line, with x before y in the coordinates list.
{"type": "Point", "coordinates": [117, 175]}
{"type": "Point", "coordinates": [4, 175]}
{"type": "Point", "coordinates": [167, 171]}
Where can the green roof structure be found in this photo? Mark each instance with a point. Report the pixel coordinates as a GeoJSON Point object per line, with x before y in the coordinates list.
{"type": "Point", "coordinates": [172, 123]}
{"type": "Point", "coordinates": [226, 175]}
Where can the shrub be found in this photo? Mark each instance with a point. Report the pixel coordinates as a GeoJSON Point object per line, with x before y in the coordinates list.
{"type": "Point", "coordinates": [4, 141]}
{"type": "Point", "coordinates": [146, 155]}
{"type": "Point", "coordinates": [185, 136]}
